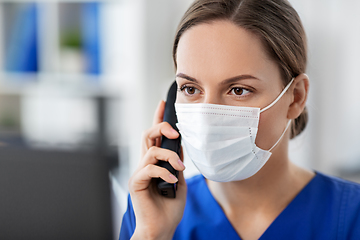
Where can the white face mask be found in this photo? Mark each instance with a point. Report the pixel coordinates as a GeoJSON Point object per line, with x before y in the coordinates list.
{"type": "Point", "coordinates": [220, 139]}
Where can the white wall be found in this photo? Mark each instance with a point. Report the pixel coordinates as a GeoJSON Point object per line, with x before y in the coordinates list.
{"type": "Point", "coordinates": [334, 104]}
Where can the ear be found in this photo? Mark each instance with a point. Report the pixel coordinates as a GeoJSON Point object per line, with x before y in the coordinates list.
{"type": "Point", "coordinates": [299, 91]}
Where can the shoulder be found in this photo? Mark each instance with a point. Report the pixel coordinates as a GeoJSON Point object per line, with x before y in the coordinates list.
{"type": "Point", "coordinates": [128, 222]}
{"type": "Point", "coordinates": [343, 197]}
{"type": "Point", "coordinates": [338, 185]}
{"type": "Point", "coordinates": [336, 189]}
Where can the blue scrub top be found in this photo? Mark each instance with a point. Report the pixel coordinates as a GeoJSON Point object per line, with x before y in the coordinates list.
{"type": "Point", "coordinates": [327, 208]}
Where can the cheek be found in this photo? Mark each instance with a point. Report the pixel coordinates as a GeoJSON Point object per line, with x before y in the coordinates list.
{"type": "Point", "coordinates": [178, 98]}
{"type": "Point", "coordinates": [271, 126]}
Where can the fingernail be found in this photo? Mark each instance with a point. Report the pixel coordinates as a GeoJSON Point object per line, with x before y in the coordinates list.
{"type": "Point", "coordinates": [181, 164]}
{"type": "Point", "coordinates": [174, 131]}
{"type": "Point", "coordinates": [173, 177]}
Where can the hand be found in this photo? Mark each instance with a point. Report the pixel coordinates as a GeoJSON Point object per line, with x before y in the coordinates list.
{"type": "Point", "coordinates": [156, 216]}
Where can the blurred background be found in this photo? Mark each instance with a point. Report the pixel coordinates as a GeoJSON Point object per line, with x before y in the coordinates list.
{"type": "Point", "coordinates": [71, 71]}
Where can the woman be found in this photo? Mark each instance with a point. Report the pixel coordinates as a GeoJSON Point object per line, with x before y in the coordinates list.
{"type": "Point", "coordinates": [240, 71]}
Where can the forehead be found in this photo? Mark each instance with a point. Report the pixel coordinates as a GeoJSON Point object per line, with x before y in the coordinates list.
{"type": "Point", "coordinates": [221, 49]}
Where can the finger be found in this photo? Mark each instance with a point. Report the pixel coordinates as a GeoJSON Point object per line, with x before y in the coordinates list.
{"type": "Point", "coordinates": [155, 132]}
{"type": "Point", "coordinates": [155, 154]}
{"type": "Point", "coordinates": [163, 129]}
{"type": "Point", "coordinates": [142, 179]}
{"type": "Point", "coordinates": [159, 113]}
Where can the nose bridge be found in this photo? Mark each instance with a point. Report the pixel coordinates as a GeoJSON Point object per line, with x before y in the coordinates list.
{"type": "Point", "coordinates": [212, 96]}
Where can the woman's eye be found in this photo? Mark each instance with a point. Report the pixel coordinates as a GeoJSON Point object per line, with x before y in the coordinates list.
{"type": "Point", "coordinates": [190, 90]}
{"type": "Point", "coordinates": [238, 91]}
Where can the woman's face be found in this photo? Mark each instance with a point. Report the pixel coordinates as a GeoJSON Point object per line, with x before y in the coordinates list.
{"type": "Point", "coordinates": [221, 63]}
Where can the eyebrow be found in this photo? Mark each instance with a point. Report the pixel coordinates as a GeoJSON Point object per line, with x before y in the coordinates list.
{"type": "Point", "coordinates": [224, 82]}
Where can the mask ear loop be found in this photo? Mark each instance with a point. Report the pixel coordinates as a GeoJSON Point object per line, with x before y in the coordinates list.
{"type": "Point", "coordinates": [272, 104]}
{"type": "Point", "coordinates": [287, 126]}
{"type": "Point", "coordinates": [277, 99]}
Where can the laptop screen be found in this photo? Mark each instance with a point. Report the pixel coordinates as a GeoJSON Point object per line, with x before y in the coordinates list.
{"type": "Point", "coordinates": [48, 194]}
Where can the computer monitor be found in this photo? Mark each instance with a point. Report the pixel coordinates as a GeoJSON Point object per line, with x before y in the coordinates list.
{"type": "Point", "coordinates": [52, 194]}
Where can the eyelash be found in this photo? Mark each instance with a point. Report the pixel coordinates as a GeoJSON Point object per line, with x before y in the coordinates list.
{"type": "Point", "coordinates": [243, 89]}
{"type": "Point", "coordinates": [184, 87]}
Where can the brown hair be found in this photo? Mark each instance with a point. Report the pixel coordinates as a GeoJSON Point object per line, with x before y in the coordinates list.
{"type": "Point", "coordinates": [276, 23]}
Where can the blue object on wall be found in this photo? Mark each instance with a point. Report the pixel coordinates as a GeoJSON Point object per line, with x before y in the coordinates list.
{"type": "Point", "coordinates": [91, 37]}
{"type": "Point", "coordinates": [22, 49]}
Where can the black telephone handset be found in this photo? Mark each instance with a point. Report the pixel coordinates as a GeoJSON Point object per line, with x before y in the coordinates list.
{"type": "Point", "coordinates": [167, 189]}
